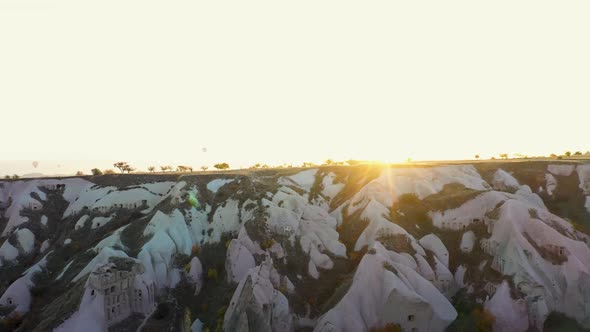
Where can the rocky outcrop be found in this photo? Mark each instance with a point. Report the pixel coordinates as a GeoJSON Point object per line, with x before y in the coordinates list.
{"type": "Point", "coordinates": [385, 290]}
{"type": "Point", "coordinates": [257, 304]}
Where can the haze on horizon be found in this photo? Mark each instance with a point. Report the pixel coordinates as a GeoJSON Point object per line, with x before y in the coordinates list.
{"type": "Point", "coordinates": [278, 83]}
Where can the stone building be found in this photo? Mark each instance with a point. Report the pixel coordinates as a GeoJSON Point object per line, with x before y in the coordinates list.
{"type": "Point", "coordinates": [123, 289]}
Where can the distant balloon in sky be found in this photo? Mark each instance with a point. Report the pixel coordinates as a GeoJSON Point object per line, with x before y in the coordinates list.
{"type": "Point", "coordinates": [204, 149]}
{"type": "Point", "coordinates": [35, 164]}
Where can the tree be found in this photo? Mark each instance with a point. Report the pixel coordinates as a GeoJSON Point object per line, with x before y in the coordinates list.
{"type": "Point", "coordinates": [504, 155]}
{"type": "Point", "coordinates": [221, 166]}
{"type": "Point", "coordinates": [476, 156]}
{"type": "Point", "coordinates": [96, 171]}
{"type": "Point", "coordinates": [352, 162]}
{"type": "Point", "coordinates": [152, 169]}
{"type": "Point", "coordinates": [128, 169]}
{"type": "Point", "coordinates": [166, 168]}
{"type": "Point", "coordinates": [121, 165]}
{"type": "Point", "coordinates": [329, 162]}
{"type": "Point", "coordinates": [79, 173]}
{"type": "Point", "coordinates": [7, 177]}
{"type": "Point", "coordinates": [15, 176]}
{"type": "Point", "coordinates": [578, 153]}
{"type": "Point", "coordinates": [553, 155]}
{"type": "Point", "coordinates": [204, 168]}
{"type": "Point", "coordinates": [109, 171]}
{"type": "Point", "coordinates": [568, 153]}
{"type": "Point", "coordinates": [308, 164]}
{"type": "Point", "coordinates": [181, 168]}
{"type": "Point", "coordinates": [256, 166]}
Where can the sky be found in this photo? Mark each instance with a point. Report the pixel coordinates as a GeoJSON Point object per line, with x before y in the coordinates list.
{"type": "Point", "coordinates": [277, 82]}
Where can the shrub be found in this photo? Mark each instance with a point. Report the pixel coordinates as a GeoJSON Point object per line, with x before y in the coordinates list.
{"type": "Point", "coordinates": [96, 171]}
{"type": "Point", "coordinates": [152, 169]}
{"type": "Point", "coordinates": [162, 311]}
{"type": "Point", "coordinates": [12, 322]}
{"type": "Point", "coordinates": [484, 320]}
{"type": "Point", "coordinates": [187, 319]}
{"type": "Point", "coordinates": [568, 153]}
{"type": "Point", "coordinates": [79, 173]}
{"type": "Point", "coordinates": [204, 168]}
{"type": "Point", "coordinates": [109, 171]}
{"type": "Point", "coordinates": [212, 274]}
{"type": "Point", "coordinates": [195, 250]}
{"type": "Point", "coordinates": [391, 327]}
{"type": "Point", "coordinates": [267, 244]}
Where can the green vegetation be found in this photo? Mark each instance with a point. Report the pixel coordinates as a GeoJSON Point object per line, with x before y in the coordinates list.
{"type": "Point", "coordinates": [471, 316]}
{"type": "Point", "coordinates": [558, 322]}
{"type": "Point", "coordinates": [411, 213]}
{"type": "Point", "coordinates": [221, 166]}
{"type": "Point", "coordinates": [212, 273]}
{"type": "Point", "coordinates": [391, 327]}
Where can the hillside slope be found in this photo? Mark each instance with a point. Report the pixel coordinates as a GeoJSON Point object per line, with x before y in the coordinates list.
{"type": "Point", "coordinates": [429, 248]}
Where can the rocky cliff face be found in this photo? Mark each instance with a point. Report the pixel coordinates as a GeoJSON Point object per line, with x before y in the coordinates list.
{"type": "Point", "coordinates": [429, 248]}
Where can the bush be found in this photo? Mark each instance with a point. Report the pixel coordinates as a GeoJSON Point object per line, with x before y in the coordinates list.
{"type": "Point", "coordinates": [195, 250]}
{"type": "Point", "coordinates": [96, 171]}
{"type": "Point", "coordinates": [267, 244]}
{"type": "Point", "coordinates": [11, 322]}
{"type": "Point", "coordinates": [212, 274]}
{"type": "Point", "coordinates": [391, 327]}
{"type": "Point", "coordinates": [162, 311]}
{"type": "Point", "coordinates": [484, 320]}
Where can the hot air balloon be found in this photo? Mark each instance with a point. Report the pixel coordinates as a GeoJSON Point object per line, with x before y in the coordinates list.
{"type": "Point", "coordinates": [35, 164]}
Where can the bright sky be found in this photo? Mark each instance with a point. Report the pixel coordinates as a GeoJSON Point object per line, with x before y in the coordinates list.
{"type": "Point", "coordinates": [277, 81]}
